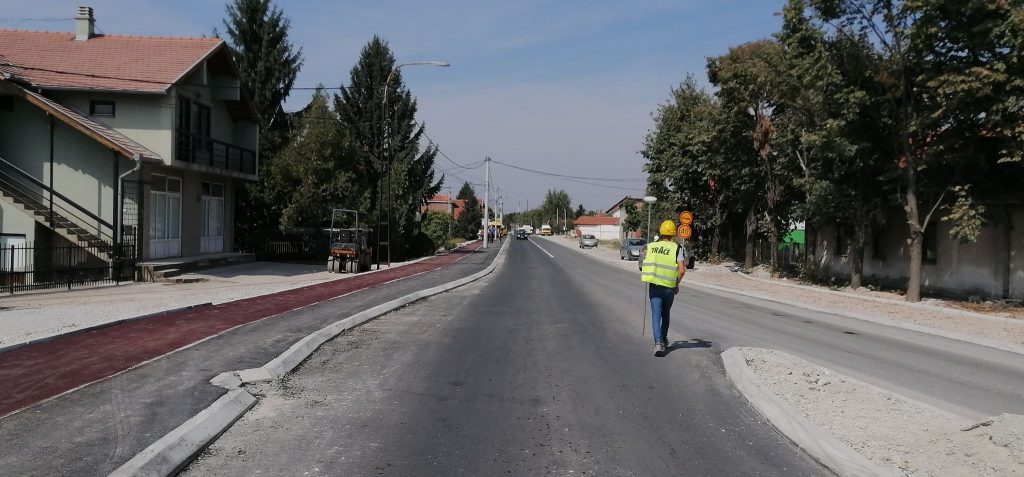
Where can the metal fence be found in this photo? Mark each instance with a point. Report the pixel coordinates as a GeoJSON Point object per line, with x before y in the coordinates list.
{"type": "Point", "coordinates": [29, 267]}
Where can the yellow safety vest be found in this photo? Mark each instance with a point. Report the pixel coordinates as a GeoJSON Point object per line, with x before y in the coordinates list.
{"type": "Point", "coordinates": [660, 266]}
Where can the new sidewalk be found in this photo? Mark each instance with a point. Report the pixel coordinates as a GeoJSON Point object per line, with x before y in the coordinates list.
{"type": "Point", "coordinates": [95, 429]}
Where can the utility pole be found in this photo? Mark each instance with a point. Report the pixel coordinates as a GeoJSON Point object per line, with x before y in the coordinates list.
{"type": "Point", "coordinates": [487, 195]}
{"type": "Point", "coordinates": [451, 215]}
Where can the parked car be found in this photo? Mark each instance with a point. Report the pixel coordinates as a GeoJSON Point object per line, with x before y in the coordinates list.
{"type": "Point", "coordinates": [588, 241]}
{"type": "Point", "coordinates": [630, 248]}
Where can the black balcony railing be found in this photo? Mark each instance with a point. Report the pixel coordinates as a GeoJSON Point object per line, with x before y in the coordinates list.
{"type": "Point", "coordinates": [197, 149]}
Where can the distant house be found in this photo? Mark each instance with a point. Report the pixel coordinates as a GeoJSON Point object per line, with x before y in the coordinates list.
{"type": "Point", "coordinates": [600, 226]}
{"type": "Point", "coordinates": [619, 211]}
{"type": "Point", "coordinates": [112, 139]}
{"type": "Point", "coordinates": [442, 203]}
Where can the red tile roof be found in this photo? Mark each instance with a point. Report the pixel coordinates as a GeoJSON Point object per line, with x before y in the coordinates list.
{"type": "Point", "coordinates": [596, 220]}
{"type": "Point", "coordinates": [105, 62]}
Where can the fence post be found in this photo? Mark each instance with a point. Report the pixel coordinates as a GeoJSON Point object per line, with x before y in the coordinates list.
{"type": "Point", "coordinates": [10, 271]}
{"type": "Point", "coordinates": [70, 274]}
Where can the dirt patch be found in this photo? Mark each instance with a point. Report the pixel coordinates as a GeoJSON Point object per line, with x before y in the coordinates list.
{"type": "Point", "coordinates": [911, 438]}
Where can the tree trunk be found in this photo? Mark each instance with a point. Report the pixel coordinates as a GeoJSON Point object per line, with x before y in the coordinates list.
{"type": "Point", "coordinates": [916, 234]}
{"type": "Point", "coordinates": [715, 234]}
{"type": "Point", "coordinates": [773, 239]}
{"type": "Point", "coordinates": [751, 230]}
{"type": "Point", "coordinates": [856, 255]}
{"type": "Point", "coordinates": [810, 246]}
{"type": "Point", "coordinates": [717, 229]}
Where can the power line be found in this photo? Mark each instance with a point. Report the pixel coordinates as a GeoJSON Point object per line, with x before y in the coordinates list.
{"type": "Point", "coordinates": [565, 176]}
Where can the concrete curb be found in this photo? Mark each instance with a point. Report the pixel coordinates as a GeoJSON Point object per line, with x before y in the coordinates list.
{"type": "Point", "coordinates": [821, 446]}
{"type": "Point", "coordinates": [989, 343]}
{"type": "Point", "coordinates": [171, 453]}
{"type": "Point", "coordinates": [887, 301]}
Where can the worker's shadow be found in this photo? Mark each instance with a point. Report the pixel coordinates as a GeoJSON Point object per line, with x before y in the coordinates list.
{"type": "Point", "coordinates": [688, 344]}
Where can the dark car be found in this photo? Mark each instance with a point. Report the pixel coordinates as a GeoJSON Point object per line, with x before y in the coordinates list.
{"type": "Point", "coordinates": [521, 234]}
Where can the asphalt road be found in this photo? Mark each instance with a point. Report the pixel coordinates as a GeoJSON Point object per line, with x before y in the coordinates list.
{"type": "Point", "coordinates": [965, 379]}
{"type": "Point", "coordinates": [92, 431]}
{"type": "Point", "coordinates": [538, 369]}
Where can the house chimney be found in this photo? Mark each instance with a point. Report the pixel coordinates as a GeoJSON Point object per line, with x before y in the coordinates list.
{"type": "Point", "coordinates": [85, 24]}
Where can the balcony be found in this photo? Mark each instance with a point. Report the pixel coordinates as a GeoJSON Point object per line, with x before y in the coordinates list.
{"type": "Point", "coordinates": [206, 151]}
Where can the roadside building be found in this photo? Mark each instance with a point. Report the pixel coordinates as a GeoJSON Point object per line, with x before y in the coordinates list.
{"type": "Point", "coordinates": [442, 203]}
{"type": "Point", "coordinates": [619, 211]}
{"type": "Point", "coordinates": [601, 226]}
{"type": "Point", "coordinates": [112, 139]}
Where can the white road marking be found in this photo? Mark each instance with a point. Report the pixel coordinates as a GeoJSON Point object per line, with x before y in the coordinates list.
{"type": "Point", "coordinates": [541, 248]}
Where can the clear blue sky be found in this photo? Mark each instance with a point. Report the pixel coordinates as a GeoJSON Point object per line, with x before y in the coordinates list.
{"type": "Point", "coordinates": [563, 86]}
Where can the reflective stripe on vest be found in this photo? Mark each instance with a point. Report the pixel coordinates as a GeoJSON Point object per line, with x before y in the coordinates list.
{"type": "Point", "coordinates": [660, 266]}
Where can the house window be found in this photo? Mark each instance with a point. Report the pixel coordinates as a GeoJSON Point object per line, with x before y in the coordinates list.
{"type": "Point", "coordinates": [101, 109]}
{"type": "Point", "coordinates": [193, 117]}
{"type": "Point", "coordinates": [213, 190]}
{"type": "Point", "coordinates": [931, 244]}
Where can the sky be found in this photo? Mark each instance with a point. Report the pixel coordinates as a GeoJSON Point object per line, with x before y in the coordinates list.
{"type": "Point", "coordinates": [564, 86]}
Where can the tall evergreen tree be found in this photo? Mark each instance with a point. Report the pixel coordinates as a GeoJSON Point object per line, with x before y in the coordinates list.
{"type": "Point", "coordinates": [471, 218]}
{"type": "Point", "coordinates": [268, 62]}
{"type": "Point", "coordinates": [397, 157]}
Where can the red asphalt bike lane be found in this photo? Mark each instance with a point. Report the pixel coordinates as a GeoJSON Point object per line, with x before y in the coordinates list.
{"type": "Point", "coordinates": [34, 373]}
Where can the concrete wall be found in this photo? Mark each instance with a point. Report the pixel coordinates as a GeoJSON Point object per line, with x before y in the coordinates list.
{"type": "Point", "coordinates": [147, 119]}
{"type": "Point", "coordinates": [1015, 281]}
{"type": "Point", "coordinates": [83, 169]}
{"type": "Point", "coordinates": [602, 232]}
{"type": "Point", "coordinates": [992, 267]}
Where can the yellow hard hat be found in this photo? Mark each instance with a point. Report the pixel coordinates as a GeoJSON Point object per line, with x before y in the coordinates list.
{"type": "Point", "coordinates": [667, 228]}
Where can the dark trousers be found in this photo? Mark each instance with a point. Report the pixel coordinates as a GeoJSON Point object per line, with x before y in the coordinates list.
{"type": "Point", "coordinates": [661, 307]}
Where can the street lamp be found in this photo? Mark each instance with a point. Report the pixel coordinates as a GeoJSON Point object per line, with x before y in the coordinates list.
{"type": "Point", "coordinates": [649, 200]}
{"type": "Point", "coordinates": [385, 161]}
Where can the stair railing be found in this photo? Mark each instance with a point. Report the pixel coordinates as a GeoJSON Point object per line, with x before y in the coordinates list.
{"type": "Point", "coordinates": [16, 181]}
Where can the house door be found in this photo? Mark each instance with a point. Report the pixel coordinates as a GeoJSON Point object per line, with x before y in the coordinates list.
{"type": "Point", "coordinates": [211, 209]}
{"type": "Point", "coordinates": [165, 217]}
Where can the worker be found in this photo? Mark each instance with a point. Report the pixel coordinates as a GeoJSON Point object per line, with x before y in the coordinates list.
{"type": "Point", "coordinates": [663, 268]}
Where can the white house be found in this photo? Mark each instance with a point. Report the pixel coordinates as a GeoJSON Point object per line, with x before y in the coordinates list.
{"type": "Point", "coordinates": [619, 211]}
{"type": "Point", "coordinates": [602, 227]}
{"type": "Point", "coordinates": [108, 139]}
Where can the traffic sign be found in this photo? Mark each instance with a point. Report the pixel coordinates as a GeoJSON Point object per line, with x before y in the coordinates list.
{"type": "Point", "coordinates": [685, 231]}
{"type": "Point", "coordinates": [686, 217]}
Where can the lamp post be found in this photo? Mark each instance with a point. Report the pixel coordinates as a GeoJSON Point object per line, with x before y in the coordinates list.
{"type": "Point", "coordinates": [649, 200]}
{"type": "Point", "coordinates": [385, 167]}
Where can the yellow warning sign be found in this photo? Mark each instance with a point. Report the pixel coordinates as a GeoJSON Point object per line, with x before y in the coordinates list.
{"type": "Point", "coordinates": [686, 217]}
{"type": "Point", "coordinates": [685, 231]}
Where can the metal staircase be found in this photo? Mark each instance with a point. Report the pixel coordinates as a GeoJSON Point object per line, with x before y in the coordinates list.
{"type": "Point", "coordinates": [58, 213]}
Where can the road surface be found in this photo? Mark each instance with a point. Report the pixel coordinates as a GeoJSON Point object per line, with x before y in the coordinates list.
{"type": "Point", "coordinates": [538, 369]}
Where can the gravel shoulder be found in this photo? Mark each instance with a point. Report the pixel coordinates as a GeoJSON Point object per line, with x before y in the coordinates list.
{"type": "Point", "coordinates": [908, 437]}
{"type": "Point", "coordinates": [875, 304]}
{"type": "Point", "coordinates": [24, 318]}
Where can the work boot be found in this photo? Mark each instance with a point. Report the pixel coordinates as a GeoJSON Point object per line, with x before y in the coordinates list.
{"type": "Point", "coordinates": [659, 349]}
